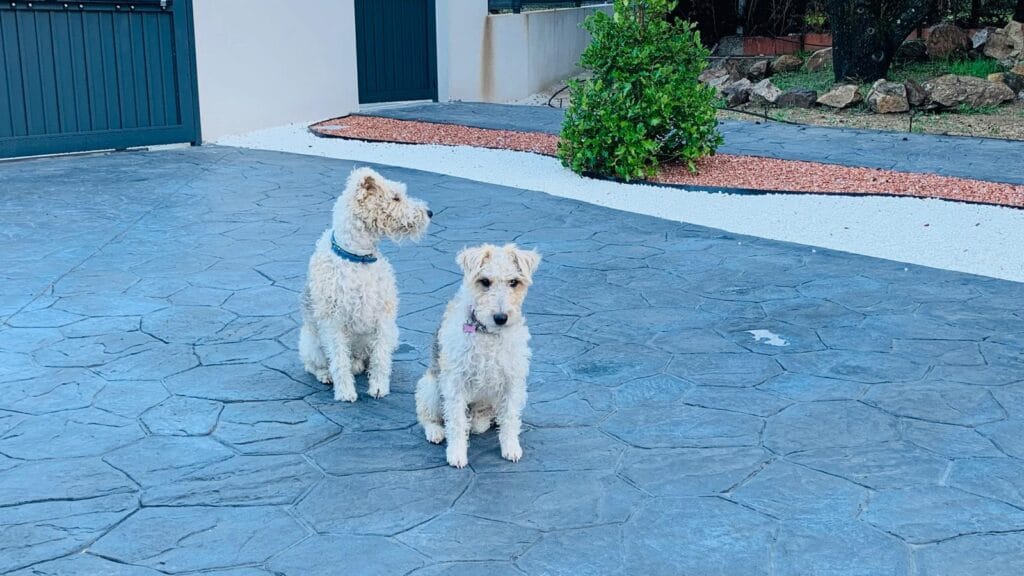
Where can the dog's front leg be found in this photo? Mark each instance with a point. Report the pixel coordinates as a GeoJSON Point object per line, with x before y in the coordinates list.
{"type": "Point", "coordinates": [510, 420]}
{"type": "Point", "coordinates": [456, 428]}
{"type": "Point", "coordinates": [380, 358]}
{"type": "Point", "coordinates": [339, 358]}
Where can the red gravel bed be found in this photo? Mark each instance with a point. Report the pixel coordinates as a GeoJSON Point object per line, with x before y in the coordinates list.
{"type": "Point", "coordinates": [720, 171]}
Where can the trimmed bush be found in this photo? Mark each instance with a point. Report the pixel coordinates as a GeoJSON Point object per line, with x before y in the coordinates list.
{"type": "Point", "coordinates": [644, 105]}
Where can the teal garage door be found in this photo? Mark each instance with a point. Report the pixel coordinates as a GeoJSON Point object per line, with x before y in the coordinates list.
{"type": "Point", "coordinates": [396, 50]}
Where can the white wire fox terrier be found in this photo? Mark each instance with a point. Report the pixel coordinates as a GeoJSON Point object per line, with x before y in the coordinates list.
{"type": "Point", "coordinates": [481, 354]}
{"type": "Point", "coordinates": [350, 301]}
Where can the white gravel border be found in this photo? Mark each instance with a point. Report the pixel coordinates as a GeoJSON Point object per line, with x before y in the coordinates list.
{"type": "Point", "coordinates": [985, 240]}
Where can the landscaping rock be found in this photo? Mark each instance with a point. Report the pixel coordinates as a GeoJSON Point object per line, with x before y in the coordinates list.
{"type": "Point", "coordinates": [888, 98]}
{"type": "Point", "coordinates": [797, 98]}
{"type": "Point", "coordinates": [911, 51]}
{"type": "Point", "coordinates": [841, 96]}
{"type": "Point", "coordinates": [820, 60]}
{"type": "Point", "coordinates": [737, 93]}
{"type": "Point", "coordinates": [740, 67]}
{"type": "Point", "coordinates": [717, 78]}
{"type": "Point", "coordinates": [947, 40]}
{"type": "Point", "coordinates": [951, 90]}
{"type": "Point", "coordinates": [1015, 80]}
{"type": "Point", "coordinates": [758, 71]}
{"type": "Point", "coordinates": [787, 63]}
{"type": "Point", "coordinates": [916, 94]}
{"type": "Point", "coordinates": [764, 92]}
{"type": "Point", "coordinates": [1006, 44]}
{"type": "Point", "coordinates": [980, 37]}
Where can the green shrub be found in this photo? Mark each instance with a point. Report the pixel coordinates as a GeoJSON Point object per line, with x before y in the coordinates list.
{"type": "Point", "coordinates": [644, 105]}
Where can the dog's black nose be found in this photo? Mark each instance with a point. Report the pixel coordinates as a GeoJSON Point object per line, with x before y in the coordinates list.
{"type": "Point", "coordinates": [500, 319]}
{"type": "Point", "coordinates": [430, 213]}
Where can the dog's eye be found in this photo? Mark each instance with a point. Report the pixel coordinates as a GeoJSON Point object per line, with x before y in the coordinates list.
{"type": "Point", "coordinates": [397, 199]}
{"type": "Point", "coordinates": [486, 283]}
{"type": "Point", "coordinates": [513, 283]}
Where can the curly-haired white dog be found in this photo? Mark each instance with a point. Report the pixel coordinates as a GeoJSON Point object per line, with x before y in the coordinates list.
{"type": "Point", "coordinates": [481, 354]}
{"type": "Point", "coordinates": [350, 301]}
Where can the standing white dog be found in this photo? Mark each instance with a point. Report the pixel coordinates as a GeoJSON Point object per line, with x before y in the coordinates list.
{"type": "Point", "coordinates": [481, 354]}
{"type": "Point", "coordinates": [350, 301]}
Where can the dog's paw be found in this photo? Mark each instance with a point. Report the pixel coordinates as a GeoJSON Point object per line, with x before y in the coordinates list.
{"type": "Point", "coordinates": [378, 391]}
{"type": "Point", "coordinates": [358, 366]}
{"type": "Point", "coordinates": [457, 458]}
{"type": "Point", "coordinates": [479, 425]}
{"type": "Point", "coordinates": [345, 395]}
{"type": "Point", "coordinates": [434, 433]}
{"type": "Point", "coordinates": [512, 453]}
{"type": "Point", "coordinates": [323, 375]}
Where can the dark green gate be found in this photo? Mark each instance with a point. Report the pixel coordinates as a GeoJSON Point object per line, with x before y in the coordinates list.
{"type": "Point", "coordinates": [96, 74]}
{"type": "Point", "coordinates": [396, 50]}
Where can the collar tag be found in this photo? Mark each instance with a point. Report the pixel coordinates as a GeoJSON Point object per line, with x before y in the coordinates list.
{"type": "Point", "coordinates": [469, 328]}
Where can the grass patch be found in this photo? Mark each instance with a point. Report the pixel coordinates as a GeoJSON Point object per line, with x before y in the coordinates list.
{"type": "Point", "coordinates": [965, 109]}
{"type": "Point", "coordinates": [821, 81]}
{"type": "Point", "coordinates": [923, 71]}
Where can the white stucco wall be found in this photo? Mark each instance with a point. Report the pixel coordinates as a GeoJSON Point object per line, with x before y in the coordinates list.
{"type": "Point", "coordinates": [263, 63]}
{"type": "Point", "coordinates": [501, 57]}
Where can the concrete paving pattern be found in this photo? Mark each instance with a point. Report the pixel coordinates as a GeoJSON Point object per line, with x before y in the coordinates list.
{"type": "Point", "coordinates": [700, 402]}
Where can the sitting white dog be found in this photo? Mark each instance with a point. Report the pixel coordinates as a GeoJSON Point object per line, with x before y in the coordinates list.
{"type": "Point", "coordinates": [350, 301]}
{"type": "Point", "coordinates": [481, 354]}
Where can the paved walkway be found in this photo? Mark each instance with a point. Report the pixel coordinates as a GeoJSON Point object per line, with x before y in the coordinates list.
{"type": "Point", "coordinates": [700, 403]}
{"type": "Point", "coordinates": [980, 158]}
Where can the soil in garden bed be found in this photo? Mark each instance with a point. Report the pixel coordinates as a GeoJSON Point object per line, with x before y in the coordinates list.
{"type": "Point", "coordinates": [720, 171]}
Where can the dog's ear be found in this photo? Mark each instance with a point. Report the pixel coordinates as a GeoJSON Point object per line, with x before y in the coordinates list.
{"type": "Point", "coordinates": [473, 259]}
{"type": "Point", "coordinates": [526, 260]}
{"type": "Point", "coordinates": [366, 183]}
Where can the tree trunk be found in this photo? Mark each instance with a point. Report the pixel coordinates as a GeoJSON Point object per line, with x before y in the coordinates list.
{"type": "Point", "coordinates": [1018, 14]}
{"type": "Point", "coordinates": [867, 33]}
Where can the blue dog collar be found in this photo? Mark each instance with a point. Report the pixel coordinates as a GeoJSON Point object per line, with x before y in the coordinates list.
{"type": "Point", "coordinates": [346, 255]}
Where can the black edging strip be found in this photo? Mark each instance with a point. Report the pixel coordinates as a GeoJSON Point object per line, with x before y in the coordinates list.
{"type": "Point", "coordinates": [687, 187]}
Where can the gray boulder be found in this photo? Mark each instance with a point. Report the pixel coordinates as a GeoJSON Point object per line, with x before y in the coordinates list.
{"type": "Point", "coordinates": [1006, 44]}
{"type": "Point", "coordinates": [947, 40]}
{"type": "Point", "coordinates": [950, 91]}
{"type": "Point", "coordinates": [841, 97]}
{"type": "Point", "coordinates": [797, 98]}
{"type": "Point", "coordinates": [737, 93]}
{"type": "Point", "coordinates": [820, 60]}
{"type": "Point", "coordinates": [787, 63]}
{"type": "Point", "coordinates": [764, 93]}
{"type": "Point", "coordinates": [888, 98]}
{"type": "Point", "coordinates": [911, 51]}
{"type": "Point", "coordinates": [916, 94]}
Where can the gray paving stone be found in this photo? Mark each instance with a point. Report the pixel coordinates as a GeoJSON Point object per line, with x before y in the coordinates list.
{"type": "Point", "coordinates": [930, 514]}
{"type": "Point", "coordinates": [550, 500]}
{"type": "Point", "coordinates": [199, 538]}
{"type": "Point", "coordinates": [997, 478]}
{"type": "Point", "coordinates": [613, 365]}
{"type": "Point", "coordinates": [596, 551]}
{"type": "Point", "coordinates": [753, 402]}
{"type": "Point", "coordinates": [85, 565]}
{"type": "Point", "coordinates": [948, 440]}
{"type": "Point", "coordinates": [651, 391]}
{"type": "Point", "coordinates": [377, 451]}
{"type": "Point", "coordinates": [182, 416]}
{"type": "Point", "coordinates": [382, 503]}
{"type": "Point", "coordinates": [838, 547]}
{"type": "Point", "coordinates": [325, 555]}
{"type": "Point", "coordinates": [1007, 435]}
{"type": "Point", "coordinates": [186, 324]}
{"type": "Point", "coordinates": [839, 424]}
{"type": "Point", "coordinates": [992, 554]}
{"type": "Point", "coordinates": [804, 388]}
{"type": "Point", "coordinates": [233, 383]}
{"type": "Point", "coordinates": [129, 399]}
{"type": "Point", "coordinates": [549, 449]}
{"type": "Point", "coordinates": [64, 390]}
{"type": "Point", "coordinates": [683, 427]}
{"type": "Point", "coordinates": [691, 471]}
{"type": "Point", "coordinates": [739, 370]}
{"type": "Point", "coordinates": [69, 480]}
{"type": "Point", "coordinates": [274, 427]}
{"type": "Point", "coordinates": [866, 367]}
{"type": "Point", "coordinates": [942, 402]}
{"type": "Point", "coordinates": [42, 531]}
{"type": "Point", "coordinates": [71, 434]}
{"type": "Point", "coordinates": [455, 536]}
{"type": "Point", "coordinates": [704, 536]}
{"type": "Point", "coordinates": [468, 569]}
{"type": "Point", "coordinates": [787, 491]}
{"type": "Point", "coordinates": [878, 466]}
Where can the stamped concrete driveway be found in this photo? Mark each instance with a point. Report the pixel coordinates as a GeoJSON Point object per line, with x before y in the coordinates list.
{"type": "Point", "coordinates": [700, 403]}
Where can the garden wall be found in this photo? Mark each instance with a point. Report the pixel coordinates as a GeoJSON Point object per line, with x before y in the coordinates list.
{"type": "Point", "coordinates": [273, 62]}
{"type": "Point", "coordinates": [501, 57]}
